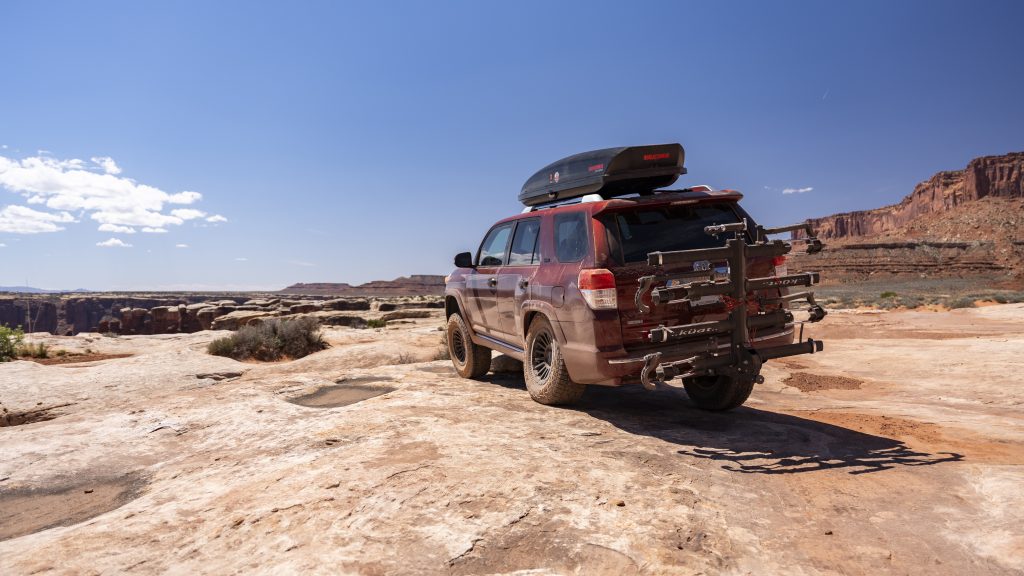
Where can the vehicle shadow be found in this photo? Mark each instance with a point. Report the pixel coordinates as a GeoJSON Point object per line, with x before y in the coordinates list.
{"type": "Point", "coordinates": [512, 380]}
{"type": "Point", "coordinates": [749, 440]}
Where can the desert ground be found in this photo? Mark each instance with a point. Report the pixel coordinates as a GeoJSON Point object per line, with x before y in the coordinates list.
{"type": "Point", "coordinates": [899, 449]}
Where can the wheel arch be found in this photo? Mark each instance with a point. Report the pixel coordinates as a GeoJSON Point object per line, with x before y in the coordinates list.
{"type": "Point", "coordinates": [532, 309]}
{"type": "Point", "coordinates": [451, 306]}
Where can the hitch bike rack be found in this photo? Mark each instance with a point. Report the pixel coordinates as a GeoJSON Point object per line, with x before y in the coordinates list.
{"type": "Point", "coordinates": [738, 359]}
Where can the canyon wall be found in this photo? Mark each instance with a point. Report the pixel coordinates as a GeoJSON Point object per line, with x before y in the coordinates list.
{"type": "Point", "coordinates": [73, 314]}
{"type": "Point", "coordinates": [985, 177]}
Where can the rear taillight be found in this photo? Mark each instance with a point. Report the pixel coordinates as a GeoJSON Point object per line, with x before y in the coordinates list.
{"type": "Point", "coordinates": [780, 265]}
{"type": "Point", "coordinates": [598, 288]}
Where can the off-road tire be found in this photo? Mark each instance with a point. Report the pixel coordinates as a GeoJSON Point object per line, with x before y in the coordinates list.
{"type": "Point", "coordinates": [718, 392]}
{"type": "Point", "coordinates": [470, 360]}
{"type": "Point", "coordinates": [547, 379]}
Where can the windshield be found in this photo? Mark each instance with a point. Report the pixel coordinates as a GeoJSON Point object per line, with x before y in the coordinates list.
{"type": "Point", "coordinates": [634, 233]}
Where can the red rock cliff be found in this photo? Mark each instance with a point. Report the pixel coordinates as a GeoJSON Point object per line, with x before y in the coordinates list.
{"type": "Point", "coordinates": [988, 176]}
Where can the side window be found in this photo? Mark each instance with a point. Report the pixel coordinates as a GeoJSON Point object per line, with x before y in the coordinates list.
{"type": "Point", "coordinates": [524, 243]}
{"type": "Point", "coordinates": [492, 251]}
{"type": "Point", "coordinates": [571, 236]}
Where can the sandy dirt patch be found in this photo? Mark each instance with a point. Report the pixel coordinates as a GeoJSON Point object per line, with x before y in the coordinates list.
{"type": "Point", "coordinates": [808, 382]}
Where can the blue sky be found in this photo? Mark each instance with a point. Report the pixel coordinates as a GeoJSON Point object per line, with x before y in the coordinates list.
{"type": "Point", "coordinates": [345, 142]}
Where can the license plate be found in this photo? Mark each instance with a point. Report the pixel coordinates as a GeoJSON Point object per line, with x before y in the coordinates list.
{"type": "Point", "coordinates": [702, 301]}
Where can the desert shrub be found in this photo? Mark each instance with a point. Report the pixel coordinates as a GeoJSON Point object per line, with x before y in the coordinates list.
{"type": "Point", "coordinates": [961, 303]}
{"type": "Point", "coordinates": [376, 323]}
{"type": "Point", "coordinates": [911, 301]}
{"type": "Point", "coordinates": [406, 358]}
{"type": "Point", "coordinates": [886, 304]}
{"type": "Point", "coordinates": [1014, 297]}
{"type": "Point", "coordinates": [222, 347]}
{"type": "Point", "coordinates": [10, 342]}
{"type": "Point", "coordinates": [271, 340]}
{"type": "Point", "coordinates": [887, 294]}
{"type": "Point", "coordinates": [40, 350]}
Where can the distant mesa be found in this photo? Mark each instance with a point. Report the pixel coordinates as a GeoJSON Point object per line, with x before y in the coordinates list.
{"type": "Point", "coordinates": [955, 224]}
{"type": "Point", "coordinates": [34, 290]}
{"type": "Point", "coordinates": [415, 285]}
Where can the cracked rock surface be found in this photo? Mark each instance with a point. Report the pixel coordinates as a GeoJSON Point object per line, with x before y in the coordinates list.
{"type": "Point", "coordinates": [373, 458]}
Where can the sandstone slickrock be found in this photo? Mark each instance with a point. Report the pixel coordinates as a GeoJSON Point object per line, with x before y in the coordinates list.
{"type": "Point", "coordinates": [347, 304]}
{"type": "Point", "coordinates": [228, 468]}
{"type": "Point", "coordinates": [303, 308]}
{"type": "Point", "coordinates": [336, 318]}
{"type": "Point", "coordinates": [238, 318]}
{"type": "Point", "coordinates": [404, 314]}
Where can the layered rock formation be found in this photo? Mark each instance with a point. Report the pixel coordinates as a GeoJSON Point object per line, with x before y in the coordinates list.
{"type": "Point", "coordinates": [415, 285]}
{"type": "Point", "coordinates": [69, 315]}
{"type": "Point", "coordinates": [964, 223]}
{"type": "Point", "coordinates": [985, 177]}
{"type": "Point", "coordinates": [186, 313]}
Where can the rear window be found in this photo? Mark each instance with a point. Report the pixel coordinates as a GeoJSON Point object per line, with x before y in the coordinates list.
{"type": "Point", "coordinates": [636, 232]}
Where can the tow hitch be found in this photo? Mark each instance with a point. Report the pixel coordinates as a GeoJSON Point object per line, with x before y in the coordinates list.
{"type": "Point", "coordinates": [738, 358]}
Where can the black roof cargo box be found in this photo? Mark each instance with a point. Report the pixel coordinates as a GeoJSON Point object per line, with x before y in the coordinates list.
{"type": "Point", "coordinates": [609, 172]}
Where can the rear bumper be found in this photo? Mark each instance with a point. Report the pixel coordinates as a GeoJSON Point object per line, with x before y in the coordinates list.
{"type": "Point", "coordinates": [590, 365]}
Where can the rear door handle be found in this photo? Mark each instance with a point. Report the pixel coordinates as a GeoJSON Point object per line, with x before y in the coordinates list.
{"type": "Point", "coordinates": [524, 283]}
{"type": "Point", "coordinates": [492, 281]}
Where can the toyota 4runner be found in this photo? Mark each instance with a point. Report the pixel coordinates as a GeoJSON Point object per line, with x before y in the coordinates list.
{"type": "Point", "coordinates": [604, 279]}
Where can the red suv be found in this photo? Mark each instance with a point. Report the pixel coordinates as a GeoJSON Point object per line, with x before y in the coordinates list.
{"type": "Point", "coordinates": [604, 279]}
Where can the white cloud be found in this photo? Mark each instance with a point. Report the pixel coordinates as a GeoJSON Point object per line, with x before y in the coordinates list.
{"type": "Point", "coordinates": [187, 213]}
{"type": "Point", "coordinates": [216, 218]}
{"type": "Point", "coordinates": [241, 259]}
{"type": "Point", "coordinates": [185, 198]}
{"type": "Point", "coordinates": [302, 263]}
{"type": "Point", "coordinates": [24, 220]}
{"type": "Point", "coordinates": [71, 186]}
{"type": "Point", "coordinates": [151, 230]}
{"type": "Point", "coordinates": [2, 245]}
{"type": "Point", "coordinates": [181, 245]}
{"type": "Point", "coordinates": [107, 164]}
{"type": "Point", "coordinates": [116, 229]}
{"type": "Point", "coordinates": [113, 243]}
{"type": "Point", "coordinates": [797, 190]}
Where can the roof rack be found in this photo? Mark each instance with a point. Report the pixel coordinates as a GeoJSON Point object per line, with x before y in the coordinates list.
{"type": "Point", "coordinates": [567, 202]}
{"type": "Point", "coordinates": [597, 198]}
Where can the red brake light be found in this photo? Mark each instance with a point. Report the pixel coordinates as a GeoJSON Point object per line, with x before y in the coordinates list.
{"type": "Point", "coordinates": [778, 261]}
{"type": "Point", "coordinates": [596, 279]}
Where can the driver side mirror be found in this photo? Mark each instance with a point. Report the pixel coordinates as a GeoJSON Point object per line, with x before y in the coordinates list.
{"type": "Point", "coordinates": [464, 260]}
